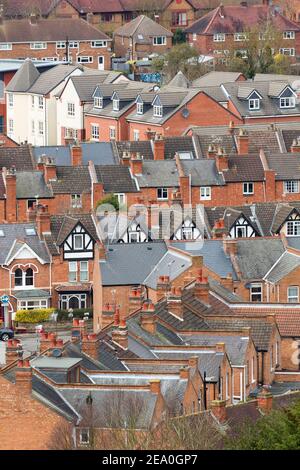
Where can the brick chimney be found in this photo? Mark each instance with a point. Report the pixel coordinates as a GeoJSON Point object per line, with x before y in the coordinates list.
{"type": "Point", "coordinates": [211, 151]}
{"type": "Point", "coordinates": [136, 164]}
{"type": "Point", "coordinates": [136, 298]}
{"type": "Point", "coordinates": [49, 170]}
{"type": "Point", "coordinates": [184, 373]}
{"type": "Point", "coordinates": [220, 348]}
{"type": "Point", "coordinates": [79, 328]}
{"type": "Point", "coordinates": [227, 282]}
{"type": "Point", "coordinates": [218, 409]}
{"type": "Point", "coordinates": [231, 128]}
{"type": "Point", "coordinates": [120, 334]}
{"type": "Point", "coordinates": [33, 18]}
{"type": "Point", "coordinates": [265, 400]}
{"type": "Point", "coordinates": [24, 377]}
{"type": "Point", "coordinates": [219, 229]}
{"type": "Point", "coordinates": [76, 155]}
{"type": "Point", "coordinates": [243, 142]}
{"type": "Point", "coordinates": [193, 362]}
{"type": "Point", "coordinates": [148, 317]}
{"type": "Point", "coordinates": [201, 288]}
{"type": "Point", "coordinates": [174, 302]}
{"type": "Point", "coordinates": [10, 181]}
{"type": "Point", "coordinates": [230, 246]}
{"type": "Point", "coordinates": [90, 345]}
{"type": "Point", "coordinates": [43, 220]}
{"type": "Point", "coordinates": [295, 147]}
{"type": "Point", "coordinates": [108, 312]}
{"type": "Point", "coordinates": [184, 182]}
{"type": "Point", "coordinates": [154, 386]}
{"type": "Point", "coordinates": [221, 160]}
{"type": "Point", "coordinates": [159, 147]}
{"type": "Point", "coordinates": [163, 286]}
{"type": "Point", "coordinates": [45, 341]}
{"type": "Point", "coordinates": [13, 351]}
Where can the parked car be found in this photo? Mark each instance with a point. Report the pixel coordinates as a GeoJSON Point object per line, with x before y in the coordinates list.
{"type": "Point", "coordinates": [6, 334]}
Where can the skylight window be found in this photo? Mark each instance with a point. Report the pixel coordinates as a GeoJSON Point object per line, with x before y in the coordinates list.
{"type": "Point", "coordinates": [30, 231]}
{"type": "Point", "coordinates": [1, 233]}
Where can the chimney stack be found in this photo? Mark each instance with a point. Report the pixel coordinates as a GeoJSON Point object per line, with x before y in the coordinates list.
{"type": "Point", "coordinates": [136, 164]}
{"type": "Point", "coordinates": [163, 286]}
{"type": "Point", "coordinates": [221, 160]}
{"type": "Point", "coordinates": [76, 155]}
{"type": "Point", "coordinates": [43, 221]}
{"type": "Point", "coordinates": [148, 317]}
{"type": "Point", "coordinates": [90, 345]}
{"type": "Point", "coordinates": [211, 151]}
{"type": "Point", "coordinates": [49, 168]}
{"type": "Point", "coordinates": [108, 312]}
{"type": "Point", "coordinates": [174, 302]}
{"type": "Point", "coordinates": [120, 334]}
{"type": "Point", "coordinates": [201, 289]}
{"type": "Point", "coordinates": [243, 142]}
{"type": "Point", "coordinates": [159, 147]}
{"type": "Point", "coordinates": [10, 181]}
{"type": "Point", "coordinates": [24, 377]}
{"type": "Point", "coordinates": [13, 351]}
{"type": "Point", "coordinates": [218, 409]}
{"type": "Point", "coordinates": [230, 246]}
{"type": "Point", "coordinates": [136, 298]}
{"type": "Point", "coordinates": [154, 386]}
{"type": "Point", "coordinates": [265, 400]}
{"type": "Point", "coordinates": [184, 373]}
{"type": "Point", "coordinates": [219, 229]}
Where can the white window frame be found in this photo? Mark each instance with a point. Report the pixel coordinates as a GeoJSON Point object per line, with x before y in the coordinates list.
{"type": "Point", "coordinates": [76, 201]}
{"type": "Point", "coordinates": [287, 102]}
{"type": "Point", "coordinates": [164, 194]}
{"type": "Point", "coordinates": [85, 59]}
{"type": "Point", "coordinates": [157, 110]}
{"type": "Point", "coordinates": [140, 108]}
{"type": "Point", "coordinates": [60, 45]}
{"type": "Point", "coordinates": [136, 135]}
{"type": "Point", "coordinates": [87, 431]}
{"type": "Point", "coordinates": [30, 304]}
{"type": "Point", "coordinates": [5, 46]}
{"type": "Point", "coordinates": [112, 133]}
{"type": "Point", "coordinates": [293, 298]}
{"type": "Point", "coordinates": [116, 104]}
{"type": "Point", "coordinates": [239, 37]}
{"type": "Point", "coordinates": [38, 45]}
{"type": "Point", "coordinates": [71, 133]}
{"type": "Point", "coordinates": [33, 127]}
{"type": "Point", "coordinates": [289, 51]}
{"type": "Point", "coordinates": [246, 188]}
{"type": "Point", "coordinates": [73, 268]}
{"type": "Point", "coordinates": [254, 104]}
{"type": "Point", "coordinates": [219, 37]}
{"type": "Point", "coordinates": [259, 292]}
{"type": "Point", "coordinates": [73, 45]}
{"type": "Point", "coordinates": [98, 102]}
{"type": "Point", "coordinates": [288, 35]}
{"type": "Point", "coordinates": [98, 44]}
{"type": "Point", "coordinates": [41, 102]}
{"type": "Point", "coordinates": [95, 132]}
{"type": "Point", "coordinates": [163, 40]}
{"type": "Point", "coordinates": [10, 126]}
{"type": "Point", "coordinates": [121, 198]}
{"type": "Point", "coordinates": [291, 186]}
{"type": "Point", "coordinates": [78, 236]}
{"type": "Point", "coordinates": [252, 369]}
{"type": "Point", "coordinates": [71, 109]}
{"type": "Point", "coordinates": [81, 271]}
{"type": "Point", "coordinates": [293, 228]}
{"type": "Point", "coordinates": [205, 193]}
{"type": "Point", "coordinates": [41, 128]}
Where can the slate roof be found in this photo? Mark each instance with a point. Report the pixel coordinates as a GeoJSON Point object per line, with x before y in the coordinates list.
{"type": "Point", "coordinates": [269, 106]}
{"type": "Point", "coordinates": [287, 263]}
{"type": "Point", "coordinates": [26, 80]}
{"type": "Point", "coordinates": [19, 157]}
{"type": "Point", "coordinates": [171, 264]}
{"type": "Point", "coordinates": [142, 29]}
{"type": "Point", "coordinates": [31, 294]}
{"type": "Point", "coordinates": [86, 83]}
{"type": "Point", "coordinates": [101, 153]}
{"type": "Point", "coordinates": [180, 81]}
{"type": "Point", "coordinates": [289, 136]}
{"type": "Point", "coordinates": [49, 30]}
{"type": "Point", "coordinates": [180, 144]}
{"type": "Point", "coordinates": [16, 232]}
{"type": "Point", "coordinates": [203, 172]}
{"type": "Point", "coordinates": [128, 264]}
{"type": "Point", "coordinates": [167, 176]}
{"type": "Point", "coordinates": [244, 169]}
{"type": "Point", "coordinates": [71, 180]}
{"type": "Point", "coordinates": [30, 184]}
{"type": "Point", "coordinates": [286, 166]}
{"type": "Point", "coordinates": [116, 179]}
{"type": "Point", "coordinates": [216, 78]}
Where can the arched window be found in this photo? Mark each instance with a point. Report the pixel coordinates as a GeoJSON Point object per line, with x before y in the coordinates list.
{"type": "Point", "coordinates": [18, 277]}
{"type": "Point", "coordinates": [29, 277]}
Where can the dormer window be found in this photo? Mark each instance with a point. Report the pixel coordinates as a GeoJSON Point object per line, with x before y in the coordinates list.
{"type": "Point", "coordinates": [116, 104]}
{"type": "Point", "coordinates": [140, 108]}
{"type": "Point", "coordinates": [254, 104]}
{"type": "Point", "coordinates": [98, 102]}
{"type": "Point", "coordinates": [157, 111]}
{"type": "Point", "coordinates": [287, 102]}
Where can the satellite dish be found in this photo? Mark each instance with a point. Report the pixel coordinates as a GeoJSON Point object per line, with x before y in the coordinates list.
{"type": "Point", "coordinates": [156, 88]}
{"type": "Point", "coordinates": [56, 353]}
{"type": "Point", "coordinates": [185, 113]}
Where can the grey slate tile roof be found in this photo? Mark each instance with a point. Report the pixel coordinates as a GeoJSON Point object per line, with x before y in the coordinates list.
{"type": "Point", "coordinates": [30, 184]}
{"type": "Point", "coordinates": [19, 157]}
{"type": "Point", "coordinates": [32, 293]}
{"type": "Point", "coordinates": [171, 264]}
{"type": "Point", "coordinates": [16, 232]}
{"type": "Point", "coordinates": [268, 106]}
{"type": "Point", "coordinates": [244, 169]}
{"type": "Point", "coordinates": [286, 166]}
{"type": "Point", "coordinates": [216, 78]}
{"type": "Point", "coordinates": [24, 78]}
{"type": "Point", "coordinates": [101, 153]}
{"type": "Point", "coordinates": [116, 179]}
{"type": "Point", "coordinates": [213, 254]}
{"type": "Point", "coordinates": [71, 180]}
{"type": "Point", "coordinates": [203, 172]}
{"type": "Point", "coordinates": [128, 264]}
{"type": "Point", "coordinates": [121, 400]}
{"type": "Point", "coordinates": [86, 83]}
{"type": "Point", "coordinates": [142, 29]}
{"type": "Point", "coordinates": [178, 144]}
{"type": "Point", "coordinates": [285, 265]}
{"type": "Point", "coordinates": [180, 81]}
{"type": "Point", "coordinates": [289, 136]}
{"type": "Point", "coordinates": [167, 176]}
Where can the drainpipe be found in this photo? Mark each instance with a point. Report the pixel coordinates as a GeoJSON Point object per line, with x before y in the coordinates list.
{"type": "Point", "coordinates": [204, 391]}
{"type": "Point", "coordinates": [262, 366]}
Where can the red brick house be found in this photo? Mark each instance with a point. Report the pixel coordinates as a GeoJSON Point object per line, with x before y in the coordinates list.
{"type": "Point", "coordinates": [226, 27]}
{"type": "Point", "coordinates": [66, 39]}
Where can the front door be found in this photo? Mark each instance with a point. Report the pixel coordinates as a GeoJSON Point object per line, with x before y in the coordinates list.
{"type": "Point", "coordinates": [100, 62]}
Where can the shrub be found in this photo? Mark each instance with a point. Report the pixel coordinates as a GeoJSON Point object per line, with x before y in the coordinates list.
{"type": "Point", "coordinates": [110, 199]}
{"type": "Point", "coordinates": [34, 316]}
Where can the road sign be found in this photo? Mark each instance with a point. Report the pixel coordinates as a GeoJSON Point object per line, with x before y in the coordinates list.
{"type": "Point", "coordinates": [4, 300]}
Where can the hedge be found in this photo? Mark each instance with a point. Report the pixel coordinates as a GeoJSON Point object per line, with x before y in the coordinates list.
{"type": "Point", "coordinates": [34, 316]}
